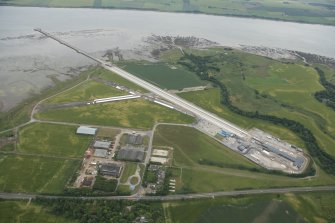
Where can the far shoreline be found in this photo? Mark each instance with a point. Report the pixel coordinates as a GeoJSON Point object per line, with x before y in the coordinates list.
{"type": "Point", "coordinates": [182, 12]}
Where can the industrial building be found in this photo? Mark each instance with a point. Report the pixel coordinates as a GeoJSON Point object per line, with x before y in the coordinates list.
{"type": "Point", "coordinates": [111, 169]}
{"type": "Point", "coordinates": [100, 153]}
{"type": "Point", "coordinates": [102, 144]}
{"type": "Point", "coordinates": [130, 154]}
{"type": "Point", "coordinates": [84, 130]}
{"type": "Point", "coordinates": [297, 161]}
{"type": "Point", "coordinates": [134, 139]}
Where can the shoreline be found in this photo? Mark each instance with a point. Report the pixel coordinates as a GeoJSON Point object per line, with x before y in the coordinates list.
{"type": "Point", "coordinates": [178, 11]}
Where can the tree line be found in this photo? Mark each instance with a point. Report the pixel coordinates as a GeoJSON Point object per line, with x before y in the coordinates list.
{"type": "Point", "coordinates": [326, 96]}
{"type": "Point", "coordinates": [103, 211]}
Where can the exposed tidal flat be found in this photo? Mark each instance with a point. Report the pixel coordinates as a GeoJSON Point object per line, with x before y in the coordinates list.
{"type": "Point", "coordinates": [30, 63]}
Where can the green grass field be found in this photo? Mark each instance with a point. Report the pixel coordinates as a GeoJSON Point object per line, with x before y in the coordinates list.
{"type": "Point", "coordinates": [22, 211]}
{"type": "Point", "coordinates": [316, 11]}
{"type": "Point", "coordinates": [264, 210]}
{"type": "Point", "coordinates": [137, 113]}
{"type": "Point", "coordinates": [210, 179]}
{"type": "Point", "coordinates": [89, 90]}
{"type": "Point", "coordinates": [108, 133]}
{"type": "Point", "coordinates": [35, 174]}
{"type": "Point", "coordinates": [52, 139]}
{"type": "Point", "coordinates": [129, 170]}
{"type": "Point", "coordinates": [110, 76]}
{"type": "Point", "coordinates": [316, 207]}
{"type": "Point", "coordinates": [162, 75]}
{"type": "Point", "coordinates": [191, 146]}
{"type": "Point", "coordinates": [312, 207]}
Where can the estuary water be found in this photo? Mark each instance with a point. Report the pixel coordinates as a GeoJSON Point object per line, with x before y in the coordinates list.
{"type": "Point", "coordinates": [28, 60]}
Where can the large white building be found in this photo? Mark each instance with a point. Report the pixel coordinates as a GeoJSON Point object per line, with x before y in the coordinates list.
{"type": "Point", "coordinates": [85, 130]}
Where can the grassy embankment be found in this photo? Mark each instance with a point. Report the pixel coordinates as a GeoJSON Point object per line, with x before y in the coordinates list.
{"type": "Point", "coordinates": [312, 207]}
{"type": "Point", "coordinates": [317, 11]}
{"type": "Point", "coordinates": [44, 163]}
{"type": "Point", "coordinates": [236, 172]}
{"type": "Point", "coordinates": [137, 113]}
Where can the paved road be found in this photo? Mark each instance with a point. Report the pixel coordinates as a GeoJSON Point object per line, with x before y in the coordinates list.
{"type": "Point", "coordinates": [177, 197]}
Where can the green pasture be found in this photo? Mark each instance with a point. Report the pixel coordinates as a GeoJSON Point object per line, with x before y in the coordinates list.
{"type": "Point", "coordinates": [164, 76]}
{"type": "Point", "coordinates": [35, 174]}
{"type": "Point", "coordinates": [210, 179]}
{"type": "Point", "coordinates": [86, 91]}
{"type": "Point", "coordinates": [311, 207]}
{"type": "Point", "coordinates": [137, 113]}
{"type": "Point", "coordinates": [52, 139]}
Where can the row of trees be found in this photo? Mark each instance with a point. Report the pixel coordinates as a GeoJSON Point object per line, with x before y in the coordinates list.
{"type": "Point", "coordinates": [197, 64]}
{"type": "Point", "coordinates": [327, 96]}
{"type": "Point", "coordinates": [103, 211]}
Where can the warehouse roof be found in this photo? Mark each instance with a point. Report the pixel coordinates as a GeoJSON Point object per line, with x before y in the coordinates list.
{"type": "Point", "coordinates": [100, 153]}
{"type": "Point", "coordinates": [112, 169]}
{"type": "Point", "coordinates": [102, 144]}
{"type": "Point", "coordinates": [86, 130]}
{"type": "Point", "coordinates": [130, 154]}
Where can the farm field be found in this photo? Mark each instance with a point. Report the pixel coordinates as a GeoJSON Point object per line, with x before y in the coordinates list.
{"type": "Point", "coordinates": [35, 174]}
{"type": "Point", "coordinates": [87, 91]}
{"type": "Point", "coordinates": [317, 11]}
{"type": "Point", "coordinates": [52, 139]}
{"type": "Point", "coordinates": [162, 75]}
{"type": "Point", "coordinates": [137, 113]}
{"type": "Point", "coordinates": [22, 211]}
{"type": "Point", "coordinates": [268, 208]}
